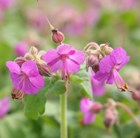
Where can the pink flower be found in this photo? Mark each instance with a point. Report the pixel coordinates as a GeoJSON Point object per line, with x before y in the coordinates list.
{"type": "Point", "coordinates": [4, 106]}
{"type": "Point", "coordinates": [109, 67]}
{"type": "Point", "coordinates": [89, 109]}
{"type": "Point", "coordinates": [96, 86]}
{"type": "Point", "coordinates": [21, 48]}
{"type": "Point", "coordinates": [26, 78]}
{"type": "Point", "coordinates": [5, 4]}
{"type": "Point", "coordinates": [66, 58]}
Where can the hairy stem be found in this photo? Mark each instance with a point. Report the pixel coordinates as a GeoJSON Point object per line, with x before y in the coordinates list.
{"type": "Point", "coordinates": [137, 121]}
{"type": "Point", "coordinates": [63, 100]}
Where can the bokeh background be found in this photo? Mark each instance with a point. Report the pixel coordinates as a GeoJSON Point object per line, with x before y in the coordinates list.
{"type": "Point", "coordinates": [23, 24]}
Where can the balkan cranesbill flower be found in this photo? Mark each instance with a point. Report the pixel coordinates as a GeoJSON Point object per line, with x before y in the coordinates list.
{"type": "Point", "coordinates": [109, 67]}
{"type": "Point", "coordinates": [66, 58]}
{"type": "Point", "coordinates": [4, 106]}
{"type": "Point", "coordinates": [89, 109]}
{"type": "Point", "coordinates": [5, 4]}
{"type": "Point", "coordinates": [21, 48]}
{"type": "Point", "coordinates": [26, 79]}
{"type": "Point", "coordinates": [96, 86]}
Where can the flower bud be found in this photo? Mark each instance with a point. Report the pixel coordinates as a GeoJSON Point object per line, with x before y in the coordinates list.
{"type": "Point", "coordinates": [20, 60]}
{"type": "Point", "coordinates": [136, 95]}
{"type": "Point", "coordinates": [44, 69]}
{"type": "Point", "coordinates": [111, 117]}
{"type": "Point", "coordinates": [97, 107]}
{"type": "Point", "coordinates": [33, 50]}
{"type": "Point", "coordinates": [92, 61]}
{"type": "Point", "coordinates": [28, 56]}
{"type": "Point", "coordinates": [106, 49]}
{"type": "Point", "coordinates": [57, 36]}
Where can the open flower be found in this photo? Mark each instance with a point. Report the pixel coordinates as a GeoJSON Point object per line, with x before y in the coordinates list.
{"type": "Point", "coordinates": [89, 109]}
{"type": "Point", "coordinates": [96, 86]}
{"type": "Point", "coordinates": [4, 106]}
{"type": "Point", "coordinates": [26, 79]}
{"type": "Point", "coordinates": [109, 67]}
{"type": "Point", "coordinates": [66, 58]}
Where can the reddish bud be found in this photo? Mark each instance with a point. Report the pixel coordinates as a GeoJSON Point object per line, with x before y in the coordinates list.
{"type": "Point", "coordinates": [57, 36]}
{"type": "Point", "coordinates": [97, 107]}
{"type": "Point", "coordinates": [20, 60]}
{"type": "Point", "coordinates": [44, 69]}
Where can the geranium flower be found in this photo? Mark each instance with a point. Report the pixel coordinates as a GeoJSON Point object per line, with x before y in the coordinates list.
{"type": "Point", "coordinates": [26, 79]}
{"type": "Point", "coordinates": [109, 67]}
{"type": "Point", "coordinates": [66, 58]}
{"type": "Point", "coordinates": [89, 109]}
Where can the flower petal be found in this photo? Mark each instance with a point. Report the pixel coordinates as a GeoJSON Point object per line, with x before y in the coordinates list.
{"type": "Point", "coordinates": [30, 68]}
{"type": "Point", "coordinates": [85, 105]}
{"type": "Point", "coordinates": [29, 88]}
{"type": "Point", "coordinates": [50, 56]}
{"type": "Point", "coordinates": [64, 49]}
{"type": "Point", "coordinates": [13, 67]}
{"type": "Point", "coordinates": [37, 81]}
{"type": "Point", "coordinates": [89, 118]}
{"type": "Point", "coordinates": [78, 57]}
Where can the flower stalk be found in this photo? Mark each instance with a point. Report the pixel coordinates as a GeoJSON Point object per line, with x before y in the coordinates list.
{"type": "Point", "coordinates": [63, 102]}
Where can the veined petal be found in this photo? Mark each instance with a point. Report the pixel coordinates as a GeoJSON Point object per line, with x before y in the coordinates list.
{"type": "Point", "coordinates": [50, 56]}
{"type": "Point", "coordinates": [71, 66]}
{"type": "Point", "coordinates": [13, 67]}
{"type": "Point", "coordinates": [37, 81]}
{"type": "Point", "coordinates": [29, 88]}
{"type": "Point", "coordinates": [78, 57]}
{"type": "Point", "coordinates": [64, 49]}
{"type": "Point", "coordinates": [30, 68]}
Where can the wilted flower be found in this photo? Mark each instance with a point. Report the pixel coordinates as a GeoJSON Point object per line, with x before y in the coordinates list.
{"type": "Point", "coordinates": [21, 48]}
{"type": "Point", "coordinates": [96, 86]}
{"type": "Point", "coordinates": [89, 109]}
{"type": "Point", "coordinates": [26, 79]}
{"type": "Point", "coordinates": [109, 67]}
{"type": "Point", "coordinates": [66, 58]}
{"type": "Point", "coordinates": [4, 106]}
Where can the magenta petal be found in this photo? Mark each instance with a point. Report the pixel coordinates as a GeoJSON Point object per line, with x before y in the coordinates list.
{"type": "Point", "coordinates": [96, 86]}
{"type": "Point", "coordinates": [37, 81]}
{"type": "Point", "coordinates": [29, 88]}
{"type": "Point", "coordinates": [50, 56]}
{"type": "Point", "coordinates": [78, 57]}
{"type": "Point", "coordinates": [71, 66]}
{"type": "Point", "coordinates": [17, 80]}
{"type": "Point", "coordinates": [64, 49]}
{"type": "Point", "coordinates": [110, 79]}
{"type": "Point", "coordinates": [85, 105]}
{"type": "Point", "coordinates": [56, 66]}
{"type": "Point", "coordinates": [30, 68]}
{"type": "Point", "coordinates": [4, 106]}
{"type": "Point", "coordinates": [89, 118]}
{"type": "Point", "coordinates": [13, 67]}
{"type": "Point", "coordinates": [106, 64]}
{"type": "Point", "coordinates": [101, 76]}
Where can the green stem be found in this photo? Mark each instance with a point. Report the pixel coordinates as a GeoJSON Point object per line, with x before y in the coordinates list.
{"type": "Point", "coordinates": [63, 100]}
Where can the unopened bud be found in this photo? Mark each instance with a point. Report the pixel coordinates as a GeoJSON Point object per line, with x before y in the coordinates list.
{"type": "Point", "coordinates": [44, 69]}
{"type": "Point", "coordinates": [97, 107]}
{"type": "Point", "coordinates": [135, 95]}
{"type": "Point", "coordinates": [106, 49]}
{"type": "Point", "coordinates": [57, 36]}
{"type": "Point", "coordinates": [41, 54]}
{"type": "Point", "coordinates": [28, 56]}
{"type": "Point", "coordinates": [111, 117]}
{"type": "Point", "coordinates": [20, 60]}
{"type": "Point", "coordinates": [33, 50]}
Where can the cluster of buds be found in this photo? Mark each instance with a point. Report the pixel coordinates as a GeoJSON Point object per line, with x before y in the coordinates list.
{"type": "Point", "coordinates": [36, 56]}
{"type": "Point", "coordinates": [95, 54]}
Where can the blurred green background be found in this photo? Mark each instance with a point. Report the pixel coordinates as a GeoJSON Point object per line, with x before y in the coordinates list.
{"type": "Point", "coordinates": [114, 21]}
